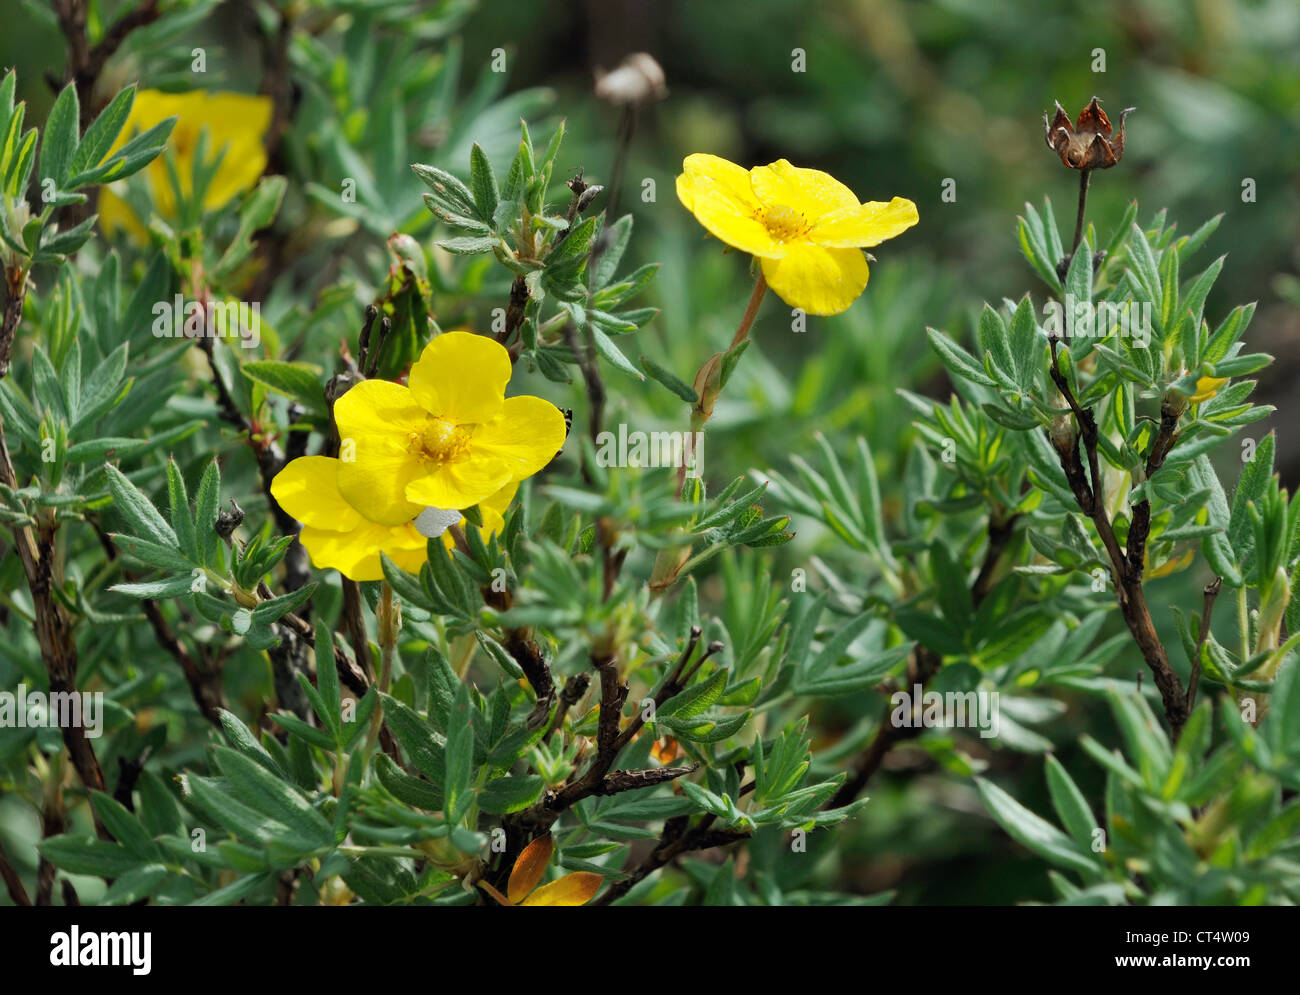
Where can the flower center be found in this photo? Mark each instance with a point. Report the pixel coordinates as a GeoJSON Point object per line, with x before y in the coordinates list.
{"type": "Point", "coordinates": [441, 441]}
{"type": "Point", "coordinates": [784, 222]}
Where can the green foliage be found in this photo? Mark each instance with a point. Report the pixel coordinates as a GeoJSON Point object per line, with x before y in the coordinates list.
{"type": "Point", "coordinates": [690, 682]}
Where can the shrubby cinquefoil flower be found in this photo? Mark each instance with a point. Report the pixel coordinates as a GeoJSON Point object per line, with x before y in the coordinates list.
{"type": "Point", "coordinates": [806, 227]}
{"type": "Point", "coordinates": [411, 457]}
{"type": "Point", "coordinates": [236, 124]}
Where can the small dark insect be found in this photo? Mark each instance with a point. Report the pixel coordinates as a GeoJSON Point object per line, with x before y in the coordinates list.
{"type": "Point", "coordinates": [568, 425]}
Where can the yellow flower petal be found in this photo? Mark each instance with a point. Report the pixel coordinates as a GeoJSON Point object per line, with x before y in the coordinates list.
{"type": "Point", "coordinates": [577, 888]}
{"type": "Point", "coordinates": [237, 123]}
{"type": "Point", "coordinates": [460, 484]}
{"type": "Point", "coordinates": [461, 377]}
{"type": "Point", "coordinates": [1170, 566]}
{"type": "Point", "coordinates": [494, 507]}
{"type": "Point", "coordinates": [817, 280]}
{"type": "Point", "coordinates": [865, 225]}
{"type": "Point", "coordinates": [377, 420]}
{"type": "Point", "coordinates": [355, 553]}
{"type": "Point", "coordinates": [308, 490]}
{"type": "Point", "coordinates": [116, 215]}
{"type": "Point", "coordinates": [718, 193]}
{"type": "Point", "coordinates": [234, 122]}
{"type": "Point", "coordinates": [809, 191]}
{"type": "Point", "coordinates": [379, 407]}
{"type": "Point", "coordinates": [1206, 388]}
{"type": "Point", "coordinates": [527, 434]}
{"type": "Point", "coordinates": [705, 175]}
{"type": "Point", "coordinates": [529, 867]}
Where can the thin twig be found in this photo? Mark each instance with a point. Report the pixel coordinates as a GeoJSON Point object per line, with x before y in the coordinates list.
{"type": "Point", "coordinates": [922, 667]}
{"type": "Point", "coordinates": [1211, 594]}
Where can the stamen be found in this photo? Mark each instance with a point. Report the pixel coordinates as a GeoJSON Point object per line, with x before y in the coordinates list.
{"type": "Point", "coordinates": [784, 223]}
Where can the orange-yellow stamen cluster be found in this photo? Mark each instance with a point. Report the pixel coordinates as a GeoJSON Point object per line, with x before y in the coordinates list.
{"type": "Point", "coordinates": [440, 442]}
{"type": "Point", "coordinates": [784, 223]}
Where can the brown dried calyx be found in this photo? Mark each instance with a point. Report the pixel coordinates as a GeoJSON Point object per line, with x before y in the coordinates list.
{"type": "Point", "coordinates": [1089, 143]}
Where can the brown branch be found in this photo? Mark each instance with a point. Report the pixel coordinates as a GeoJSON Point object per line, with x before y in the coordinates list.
{"type": "Point", "coordinates": [574, 688]}
{"type": "Point", "coordinates": [86, 62]}
{"type": "Point", "coordinates": [13, 883]}
{"type": "Point", "coordinates": [205, 687]}
{"type": "Point", "coordinates": [16, 293]}
{"type": "Point", "coordinates": [52, 824]}
{"type": "Point", "coordinates": [521, 646]}
{"type": "Point", "coordinates": [632, 780]}
{"type": "Point", "coordinates": [519, 295]}
{"type": "Point", "coordinates": [675, 841]}
{"type": "Point", "coordinates": [1127, 567]}
{"type": "Point", "coordinates": [53, 626]}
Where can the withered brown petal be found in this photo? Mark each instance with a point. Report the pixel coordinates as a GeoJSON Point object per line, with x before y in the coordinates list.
{"type": "Point", "coordinates": [1093, 118]}
{"type": "Point", "coordinates": [1117, 143]}
{"type": "Point", "coordinates": [1100, 154]}
{"type": "Point", "coordinates": [1060, 129]}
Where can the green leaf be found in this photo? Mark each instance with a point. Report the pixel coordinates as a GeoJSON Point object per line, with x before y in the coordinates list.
{"type": "Point", "coordinates": [447, 188]}
{"type": "Point", "coordinates": [153, 554]}
{"type": "Point", "coordinates": [957, 359]}
{"type": "Point", "coordinates": [137, 509]}
{"type": "Point", "coordinates": [1144, 264]}
{"type": "Point", "coordinates": [1078, 279]}
{"type": "Point", "coordinates": [459, 757]}
{"type": "Point", "coordinates": [1032, 832]}
{"type": "Point", "coordinates": [483, 183]}
{"type": "Point", "coordinates": [59, 143]}
{"type": "Point", "coordinates": [1070, 804]}
{"type": "Point", "coordinates": [694, 699]}
{"type": "Point", "coordinates": [237, 890]}
{"type": "Point", "coordinates": [124, 826]}
{"type": "Point", "coordinates": [103, 132]}
{"type": "Point", "coordinates": [135, 885]}
{"type": "Point", "coordinates": [206, 505]}
{"type": "Point", "coordinates": [263, 791]}
{"type": "Point", "coordinates": [179, 506]}
{"type": "Point", "coordinates": [405, 788]}
{"type": "Point", "coordinates": [510, 794]}
{"type": "Point", "coordinates": [424, 747]}
{"type": "Point", "coordinates": [670, 380]}
{"type": "Point", "coordinates": [606, 347]}
{"type": "Point", "coordinates": [87, 855]}
{"type": "Point", "coordinates": [299, 381]}
{"type": "Point", "coordinates": [295, 725]}
{"type": "Point", "coordinates": [1024, 341]}
{"type": "Point", "coordinates": [257, 211]}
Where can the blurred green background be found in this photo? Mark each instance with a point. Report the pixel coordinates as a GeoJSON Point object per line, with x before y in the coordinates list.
{"type": "Point", "coordinates": [896, 99]}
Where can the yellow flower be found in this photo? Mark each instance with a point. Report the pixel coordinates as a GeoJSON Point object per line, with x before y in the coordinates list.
{"type": "Point", "coordinates": [235, 122]}
{"type": "Point", "coordinates": [577, 888]}
{"type": "Point", "coordinates": [411, 457]}
{"type": "Point", "coordinates": [338, 536]}
{"type": "Point", "coordinates": [449, 440]}
{"type": "Point", "coordinates": [805, 226]}
{"type": "Point", "coordinates": [1206, 388]}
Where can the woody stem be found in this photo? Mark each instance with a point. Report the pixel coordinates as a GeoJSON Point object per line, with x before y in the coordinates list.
{"type": "Point", "coordinates": [1083, 207]}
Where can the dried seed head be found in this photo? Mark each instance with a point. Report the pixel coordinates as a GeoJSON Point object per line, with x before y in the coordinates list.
{"type": "Point", "coordinates": [637, 80]}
